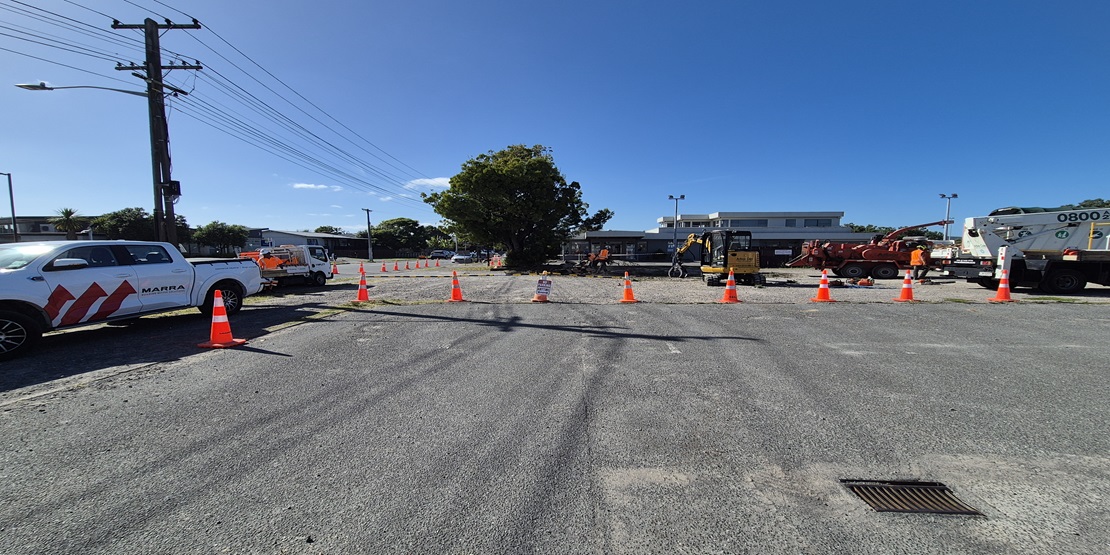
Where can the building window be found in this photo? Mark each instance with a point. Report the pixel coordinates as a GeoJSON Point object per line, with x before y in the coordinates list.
{"type": "Point", "coordinates": [791, 222]}
{"type": "Point", "coordinates": [748, 223]}
{"type": "Point", "coordinates": [818, 222]}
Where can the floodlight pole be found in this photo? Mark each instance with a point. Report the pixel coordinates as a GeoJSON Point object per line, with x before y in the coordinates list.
{"type": "Point", "coordinates": [674, 224]}
{"type": "Point", "coordinates": [947, 210]}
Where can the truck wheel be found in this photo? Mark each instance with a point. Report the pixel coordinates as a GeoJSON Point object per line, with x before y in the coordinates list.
{"type": "Point", "coordinates": [989, 283]}
{"type": "Point", "coordinates": [884, 271]}
{"type": "Point", "coordinates": [18, 333]}
{"type": "Point", "coordinates": [1063, 282]}
{"type": "Point", "coordinates": [853, 271]}
{"type": "Point", "coordinates": [319, 279]}
{"type": "Point", "coordinates": [232, 297]}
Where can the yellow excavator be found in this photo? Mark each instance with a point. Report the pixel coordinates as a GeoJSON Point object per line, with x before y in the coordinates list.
{"type": "Point", "coordinates": [721, 251]}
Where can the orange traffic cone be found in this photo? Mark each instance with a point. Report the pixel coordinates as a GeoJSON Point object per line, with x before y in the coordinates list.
{"type": "Point", "coordinates": [1003, 294]}
{"type": "Point", "coordinates": [220, 335]}
{"type": "Point", "coordinates": [543, 287]}
{"type": "Point", "coordinates": [335, 269]}
{"type": "Point", "coordinates": [437, 263]}
{"type": "Point", "coordinates": [361, 269]}
{"type": "Point", "coordinates": [384, 269]}
{"type": "Point", "coordinates": [396, 266]}
{"type": "Point", "coordinates": [628, 298]}
{"type": "Point", "coordinates": [730, 289]}
{"type": "Point", "coordinates": [823, 289]}
{"type": "Point", "coordinates": [456, 291]}
{"type": "Point", "coordinates": [407, 265]}
{"type": "Point", "coordinates": [907, 290]}
{"type": "Point", "coordinates": [363, 296]}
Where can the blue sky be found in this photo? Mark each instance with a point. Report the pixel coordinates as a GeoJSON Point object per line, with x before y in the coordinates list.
{"type": "Point", "coordinates": [873, 108]}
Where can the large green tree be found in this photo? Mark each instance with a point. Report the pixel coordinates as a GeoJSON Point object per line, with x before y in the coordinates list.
{"type": "Point", "coordinates": [401, 233]}
{"type": "Point", "coordinates": [518, 199]}
{"type": "Point", "coordinates": [130, 223]}
{"type": "Point", "coordinates": [222, 236]}
{"type": "Point", "coordinates": [69, 221]}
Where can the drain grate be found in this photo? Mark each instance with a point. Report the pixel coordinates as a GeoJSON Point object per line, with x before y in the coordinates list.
{"type": "Point", "coordinates": [909, 497]}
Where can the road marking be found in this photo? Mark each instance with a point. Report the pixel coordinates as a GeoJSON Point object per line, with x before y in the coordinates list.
{"type": "Point", "coordinates": [674, 350]}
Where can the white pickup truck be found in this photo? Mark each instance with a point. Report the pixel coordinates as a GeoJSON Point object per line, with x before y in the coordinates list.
{"type": "Point", "coordinates": [58, 284]}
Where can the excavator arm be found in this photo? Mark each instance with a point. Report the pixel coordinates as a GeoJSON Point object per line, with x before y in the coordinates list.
{"type": "Point", "coordinates": [890, 236]}
{"type": "Point", "coordinates": [692, 240]}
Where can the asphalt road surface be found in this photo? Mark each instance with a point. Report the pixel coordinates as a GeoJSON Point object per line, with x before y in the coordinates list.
{"type": "Point", "coordinates": [562, 428]}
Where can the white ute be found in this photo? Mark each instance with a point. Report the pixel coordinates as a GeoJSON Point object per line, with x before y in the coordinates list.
{"type": "Point", "coordinates": [59, 284]}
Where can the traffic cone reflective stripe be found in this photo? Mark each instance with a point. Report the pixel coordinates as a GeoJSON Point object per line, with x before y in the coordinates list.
{"type": "Point", "coordinates": [907, 290]}
{"type": "Point", "coordinates": [823, 289]}
{"type": "Point", "coordinates": [628, 297]}
{"type": "Point", "coordinates": [456, 291]}
{"type": "Point", "coordinates": [363, 295]}
{"type": "Point", "coordinates": [1003, 294]}
{"type": "Point", "coordinates": [220, 335]}
{"type": "Point", "coordinates": [730, 289]}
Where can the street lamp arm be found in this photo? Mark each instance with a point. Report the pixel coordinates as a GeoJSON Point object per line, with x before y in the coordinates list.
{"type": "Point", "coordinates": [43, 87]}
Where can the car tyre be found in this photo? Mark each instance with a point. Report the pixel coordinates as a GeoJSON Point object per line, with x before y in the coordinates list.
{"type": "Point", "coordinates": [18, 333]}
{"type": "Point", "coordinates": [232, 296]}
{"type": "Point", "coordinates": [319, 279]}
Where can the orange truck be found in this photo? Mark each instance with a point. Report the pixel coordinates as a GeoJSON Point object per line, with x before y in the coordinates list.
{"type": "Point", "coordinates": [884, 257]}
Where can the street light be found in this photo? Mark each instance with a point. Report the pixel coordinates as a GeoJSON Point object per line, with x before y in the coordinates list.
{"type": "Point", "coordinates": [41, 86]}
{"type": "Point", "coordinates": [166, 190]}
{"type": "Point", "coordinates": [674, 224]}
{"type": "Point", "coordinates": [11, 195]}
{"type": "Point", "coordinates": [369, 240]}
{"type": "Point", "coordinates": [947, 210]}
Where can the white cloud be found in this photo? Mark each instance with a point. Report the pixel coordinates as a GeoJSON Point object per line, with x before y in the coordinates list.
{"type": "Point", "coordinates": [434, 183]}
{"type": "Point", "coordinates": [317, 187]}
{"type": "Point", "coordinates": [335, 206]}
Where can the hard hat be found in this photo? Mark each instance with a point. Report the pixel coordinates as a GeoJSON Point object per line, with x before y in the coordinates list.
{"type": "Point", "coordinates": [264, 251]}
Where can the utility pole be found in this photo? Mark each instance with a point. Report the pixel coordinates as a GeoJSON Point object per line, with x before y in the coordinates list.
{"type": "Point", "coordinates": [369, 236]}
{"type": "Point", "coordinates": [11, 195]}
{"type": "Point", "coordinates": [166, 190]}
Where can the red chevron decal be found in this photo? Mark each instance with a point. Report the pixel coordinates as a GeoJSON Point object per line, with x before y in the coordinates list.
{"type": "Point", "coordinates": [114, 301]}
{"type": "Point", "coordinates": [58, 298]}
{"type": "Point", "coordinates": [81, 307]}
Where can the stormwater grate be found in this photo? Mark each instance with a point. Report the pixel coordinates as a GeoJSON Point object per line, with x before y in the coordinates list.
{"type": "Point", "coordinates": [909, 497]}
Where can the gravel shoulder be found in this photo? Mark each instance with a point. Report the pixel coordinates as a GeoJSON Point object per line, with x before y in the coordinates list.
{"type": "Point", "coordinates": [784, 286]}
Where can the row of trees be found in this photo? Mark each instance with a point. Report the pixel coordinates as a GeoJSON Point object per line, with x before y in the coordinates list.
{"type": "Point", "coordinates": [514, 199]}
{"type": "Point", "coordinates": [137, 225]}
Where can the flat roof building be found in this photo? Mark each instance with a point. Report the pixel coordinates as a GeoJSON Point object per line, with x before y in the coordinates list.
{"type": "Point", "coordinates": [777, 235]}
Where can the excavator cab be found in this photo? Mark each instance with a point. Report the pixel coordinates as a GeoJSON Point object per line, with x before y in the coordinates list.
{"type": "Point", "coordinates": [724, 250]}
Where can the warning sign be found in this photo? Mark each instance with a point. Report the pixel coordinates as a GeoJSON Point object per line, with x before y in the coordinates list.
{"type": "Point", "coordinates": [543, 287]}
